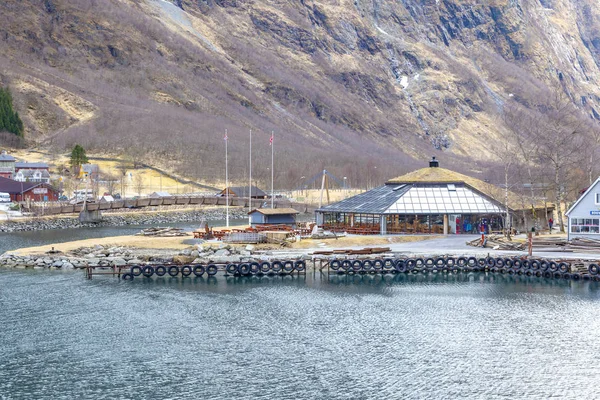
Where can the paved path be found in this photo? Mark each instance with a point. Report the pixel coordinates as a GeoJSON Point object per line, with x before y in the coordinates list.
{"type": "Point", "coordinates": [457, 245]}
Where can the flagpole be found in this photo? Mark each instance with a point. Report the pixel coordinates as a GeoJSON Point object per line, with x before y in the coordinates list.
{"type": "Point", "coordinates": [250, 182]}
{"type": "Point", "coordinates": [226, 184]}
{"type": "Point", "coordinates": [272, 170]}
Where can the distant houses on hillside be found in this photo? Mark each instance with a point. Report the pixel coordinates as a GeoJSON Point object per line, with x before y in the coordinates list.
{"type": "Point", "coordinates": [23, 171]}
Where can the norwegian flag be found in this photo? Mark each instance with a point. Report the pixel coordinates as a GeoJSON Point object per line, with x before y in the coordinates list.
{"type": "Point", "coordinates": [271, 140]}
{"type": "Point", "coordinates": [225, 138]}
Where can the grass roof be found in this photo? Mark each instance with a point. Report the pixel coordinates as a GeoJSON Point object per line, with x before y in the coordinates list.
{"type": "Point", "coordinates": [442, 175]}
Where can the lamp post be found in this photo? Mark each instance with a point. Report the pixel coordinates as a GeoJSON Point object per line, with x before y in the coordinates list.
{"type": "Point", "coordinates": [345, 187]}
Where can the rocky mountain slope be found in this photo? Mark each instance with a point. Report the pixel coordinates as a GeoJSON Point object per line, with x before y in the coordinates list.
{"type": "Point", "coordinates": [361, 88]}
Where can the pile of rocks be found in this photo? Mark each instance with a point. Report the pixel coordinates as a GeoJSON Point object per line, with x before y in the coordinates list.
{"type": "Point", "coordinates": [111, 256]}
{"type": "Point", "coordinates": [225, 253]}
{"type": "Point", "coordinates": [53, 262]}
{"type": "Point", "coordinates": [120, 220]}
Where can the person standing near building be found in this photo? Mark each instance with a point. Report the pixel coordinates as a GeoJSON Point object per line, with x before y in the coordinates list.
{"type": "Point", "coordinates": [550, 223]}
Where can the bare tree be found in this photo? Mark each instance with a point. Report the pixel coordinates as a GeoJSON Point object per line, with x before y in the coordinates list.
{"type": "Point", "coordinates": [138, 183]}
{"type": "Point", "coordinates": [560, 140]}
{"type": "Point", "coordinates": [522, 124]}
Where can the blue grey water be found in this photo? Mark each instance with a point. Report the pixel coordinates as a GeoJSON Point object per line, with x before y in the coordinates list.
{"type": "Point", "coordinates": [16, 240]}
{"type": "Point", "coordinates": [325, 337]}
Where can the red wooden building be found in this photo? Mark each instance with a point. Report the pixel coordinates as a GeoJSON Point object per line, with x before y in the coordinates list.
{"type": "Point", "coordinates": [22, 191]}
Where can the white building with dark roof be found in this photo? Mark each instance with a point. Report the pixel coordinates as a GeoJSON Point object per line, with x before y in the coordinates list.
{"type": "Point", "coordinates": [584, 214]}
{"type": "Point", "coordinates": [32, 175]}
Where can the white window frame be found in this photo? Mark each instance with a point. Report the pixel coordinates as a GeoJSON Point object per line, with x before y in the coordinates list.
{"type": "Point", "coordinates": [596, 198]}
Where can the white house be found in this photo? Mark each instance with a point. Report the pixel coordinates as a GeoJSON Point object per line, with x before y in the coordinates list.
{"type": "Point", "coordinates": [32, 175]}
{"type": "Point", "coordinates": [584, 215]}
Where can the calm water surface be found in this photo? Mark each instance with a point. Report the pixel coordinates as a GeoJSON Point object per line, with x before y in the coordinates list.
{"type": "Point", "coordinates": [464, 336]}
{"type": "Point", "coordinates": [15, 240]}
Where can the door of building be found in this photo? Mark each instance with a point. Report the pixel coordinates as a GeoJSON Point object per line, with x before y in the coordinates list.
{"type": "Point", "coordinates": [454, 222]}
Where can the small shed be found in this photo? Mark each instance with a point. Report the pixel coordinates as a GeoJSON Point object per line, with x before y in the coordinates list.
{"type": "Point", "coordinates": [159, 195]}
{"type": "Point", "coordinates": [107, 198]}
{"type": "Point", "coordinates": [584, 215]}
{"type": "Point", "coordinates": [273, 216]}
{"type": "Point", "coordinates": [242, 191]}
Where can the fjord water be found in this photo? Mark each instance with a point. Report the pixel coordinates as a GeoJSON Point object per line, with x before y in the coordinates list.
{"type": "Point", "coordinates": [336, 337]}
{"type": "Point", "coordinates": [16, 240]}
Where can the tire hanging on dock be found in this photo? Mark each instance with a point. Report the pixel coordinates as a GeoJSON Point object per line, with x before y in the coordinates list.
{"type": "Point", "coordinates": [186, 270]}
{"type": "Point", "coordinates": [400, 266]}
{"type": "Point", "coordinates": [276, 266]}
{"type": "Point", "coordinates": [231, 269]}
{"type": "Point", "coordinates": [346, 265]}
{"type": "Point", "coordinates": [211, 269]}
{"type": "Point", "coordinates": [244, 269]}
{"type": "Point", "coordinates": [419, 264]}
{"type": "Point", "coordinates": [388, 264]}
{"type": "Point", "coordinates": [148, 271]}
{"type": "Point", "coordinates": [173, 270]}
{"type": "Point", "coordinates": [378, 264]}
{"type": "Point", "coordinates": [335, 264]}
{"type": "Point", "coordinates": [357, 265]}
{"type": "Point", "coordinates": [136, 270]}
{"type": "Point", "coordinates": [127, 276]}
{"type": "Point", "coordinates": [254, 267]}
{"type": "Point", "coordinates": [288, 266]}
{"type": "Point", "coordinates": [160, 270]}
{"type": "Point", "coordinates": [300, 266]}
{"type": "Point", "coordinates": [563, 267]}
{"type": "Point", "coordinates": [594, 269]}
{"type": "Point", "coordinates": [265, 267]}
{"type": "Point", "coordinates": [199, 270]}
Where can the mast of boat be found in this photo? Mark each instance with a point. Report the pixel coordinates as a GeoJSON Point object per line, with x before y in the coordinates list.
{"type": "Point", "coordinates": [226, 184]}
{"type": "Point", "coordinates": [250, 181]}
{"type": "Point", "coordinates": [272, 170]}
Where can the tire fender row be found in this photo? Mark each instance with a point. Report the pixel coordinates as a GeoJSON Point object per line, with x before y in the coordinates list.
{"type": "Point", "coordinates": [198, 270]}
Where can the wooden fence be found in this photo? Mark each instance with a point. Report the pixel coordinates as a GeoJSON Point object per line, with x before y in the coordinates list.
{"type": "Point", "coordinates": [65, 208]}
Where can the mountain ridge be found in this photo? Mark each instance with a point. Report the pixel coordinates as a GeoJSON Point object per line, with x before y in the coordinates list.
{"type": "Point", "coordinates": [337, 80]}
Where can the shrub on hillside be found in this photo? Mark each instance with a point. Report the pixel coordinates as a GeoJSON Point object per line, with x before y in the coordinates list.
{"type": "Point", "coordinates": [9, 119]}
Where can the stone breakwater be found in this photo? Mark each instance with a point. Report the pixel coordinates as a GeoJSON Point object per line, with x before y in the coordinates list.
{"type": "Point", "coordinates": [121, 220]}
{"type": "Point", "coordinates": [105, 256]}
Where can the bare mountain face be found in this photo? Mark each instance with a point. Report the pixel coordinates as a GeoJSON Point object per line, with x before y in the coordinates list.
{"type": "Point", "coordinates": [361, 88]}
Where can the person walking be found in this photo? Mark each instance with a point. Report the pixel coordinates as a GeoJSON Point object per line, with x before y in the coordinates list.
{"type": "Point", "coordinates": [550, 223]}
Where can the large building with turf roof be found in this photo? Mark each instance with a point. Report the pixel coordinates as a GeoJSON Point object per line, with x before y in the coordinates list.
{"type": "Point", "coordinates": [432, 200]}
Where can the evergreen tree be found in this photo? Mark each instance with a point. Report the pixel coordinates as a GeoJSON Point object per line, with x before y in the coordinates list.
{"type": "Point", "coordinates": [78, 157]}
{"type": "Point", "coordinates": [9, 119]}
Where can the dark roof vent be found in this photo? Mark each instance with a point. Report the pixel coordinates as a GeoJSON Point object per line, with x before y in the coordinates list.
{"type": "Point", "coordinates": [434, 163]}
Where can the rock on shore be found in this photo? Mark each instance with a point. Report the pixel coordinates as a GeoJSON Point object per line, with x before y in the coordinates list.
{"type": "Point", "coordinates": [105, 256]}
{"type": "Point", "coordinates": [120, 220]}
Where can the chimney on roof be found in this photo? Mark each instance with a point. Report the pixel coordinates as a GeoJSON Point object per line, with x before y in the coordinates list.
{"type": "Point", "coordinates": [434, 163]}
